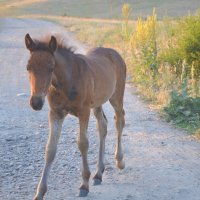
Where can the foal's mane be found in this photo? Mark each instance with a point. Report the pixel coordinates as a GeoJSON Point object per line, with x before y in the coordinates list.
{"type": "Point", "coordinates": [64, 43]}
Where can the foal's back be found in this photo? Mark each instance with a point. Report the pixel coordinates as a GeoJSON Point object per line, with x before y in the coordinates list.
{"type": "Point", "coordinates": [109, 73]}
{"type": "Point", "coordinates": [110, 55]}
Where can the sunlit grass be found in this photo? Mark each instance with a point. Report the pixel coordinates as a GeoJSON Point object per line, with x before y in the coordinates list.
{"type": "Point", "coordinates": [96, 9]}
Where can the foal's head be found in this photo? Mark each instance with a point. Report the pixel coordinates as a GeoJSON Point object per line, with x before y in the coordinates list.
{"type": "Point", "coordinates": [40, 68]}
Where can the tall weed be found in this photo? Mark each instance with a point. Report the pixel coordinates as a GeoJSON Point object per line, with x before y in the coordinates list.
{"type": "Point", "coordinates": [126, 14]}
{"type": "Point", "coordinates": [144, 46]}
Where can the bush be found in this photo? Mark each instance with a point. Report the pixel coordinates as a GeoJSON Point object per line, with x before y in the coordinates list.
{"type": "Point", "coordinates": [184, 107]}
{"type": "Point", "coordinates": [189, 42]}
{"type": "Point", "coordinates": [184, 44]}
{"type": "Point", "coordinates": [184, 111]}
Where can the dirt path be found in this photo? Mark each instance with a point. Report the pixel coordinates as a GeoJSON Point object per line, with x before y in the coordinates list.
{"type": "Point", "coordinates": [162, 163]}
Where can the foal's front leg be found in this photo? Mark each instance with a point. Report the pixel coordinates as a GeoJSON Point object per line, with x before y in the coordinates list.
{"type": "Point", "coordinates": [55, 124]}
{"type": "Point", "coordinates": [102, 128]}
{"type": "Point", "coordinates": [83, 145]}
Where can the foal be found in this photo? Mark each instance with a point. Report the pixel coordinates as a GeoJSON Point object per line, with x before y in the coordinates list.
{"type": "Point", "coordinates": [75, 84]}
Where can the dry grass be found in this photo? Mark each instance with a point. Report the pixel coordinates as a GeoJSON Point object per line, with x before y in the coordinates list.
{"type": "Point", "coordinates": [65, 19]}
{"type": "Point", "coordinates": [8, 5]}
{"type": "Point", "coordinates": [97, 9]}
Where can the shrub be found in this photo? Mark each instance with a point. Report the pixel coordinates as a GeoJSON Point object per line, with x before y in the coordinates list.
{"type": "Point", "coordinates": [183, 108]}
{"type": "Point", "coordinates": [184, 44]}
{"type": "Point", "coordinates": [184, 111]}
{"type": "Point", "coordinates": [189, 42]}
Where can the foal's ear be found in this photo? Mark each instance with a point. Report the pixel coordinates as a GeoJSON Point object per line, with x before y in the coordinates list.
{"type": "Point", "coordinates": [30, 45]}
{"type": "Point", "coordinates": [53, 44]}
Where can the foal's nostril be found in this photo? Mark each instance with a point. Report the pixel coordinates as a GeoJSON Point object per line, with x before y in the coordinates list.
{"type": "Point", "coordinates": [36, 103]}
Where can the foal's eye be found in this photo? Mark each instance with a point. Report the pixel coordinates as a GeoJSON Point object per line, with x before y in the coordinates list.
{"type": "Point", "coordinates": [28, 68]}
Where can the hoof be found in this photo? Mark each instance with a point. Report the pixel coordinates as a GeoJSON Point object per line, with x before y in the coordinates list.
{"type": "Point", "coordinates": [120, 164]}
{"type": "Point", "coordinates": [97, 181]}
{"type": "Point", "coordinates": [37, 198]}
{"type": "Point", "coordinates": [83, 193]}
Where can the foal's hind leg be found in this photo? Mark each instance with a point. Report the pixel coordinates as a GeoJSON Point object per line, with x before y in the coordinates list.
{"type": "Point", "coordinates": [117, 104]}
{"type": "Point", "coordinates": [55, 123]}
{"type": "Point", "coordinates": [102, 128]}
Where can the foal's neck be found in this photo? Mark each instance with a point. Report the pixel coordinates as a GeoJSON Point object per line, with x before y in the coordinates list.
{"type": "Point", "coordinates": [64, 76]}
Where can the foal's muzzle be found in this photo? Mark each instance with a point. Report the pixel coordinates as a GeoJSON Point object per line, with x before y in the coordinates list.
{"type": "Point", "coordinates": [36, 102]}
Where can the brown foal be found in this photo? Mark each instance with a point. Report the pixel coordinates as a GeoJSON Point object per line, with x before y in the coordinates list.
{"type": "Point", "coordinates": [75, 84]}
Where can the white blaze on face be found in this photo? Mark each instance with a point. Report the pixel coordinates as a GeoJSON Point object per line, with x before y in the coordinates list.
{"type": "Point", "coordinates": [39, 86]}
{"type": "Point", "coordinates": [40, 73]}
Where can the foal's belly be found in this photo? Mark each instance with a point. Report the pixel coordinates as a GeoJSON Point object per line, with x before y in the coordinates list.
{"type": "Point", "coordinates": [103, 91]}
{"type": "Point", "coordinates": [99, 102]}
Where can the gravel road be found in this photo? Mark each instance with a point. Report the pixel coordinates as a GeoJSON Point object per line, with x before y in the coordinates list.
{"type": "Point", "coordinates": [162, 163]}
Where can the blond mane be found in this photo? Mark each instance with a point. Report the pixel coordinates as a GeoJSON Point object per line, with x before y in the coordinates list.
{"type": "Point", "coordinates": [64, 41]}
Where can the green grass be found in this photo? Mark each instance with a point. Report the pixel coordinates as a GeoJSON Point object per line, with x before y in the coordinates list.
{"type": "Point", "coordinates": [100, 8]}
